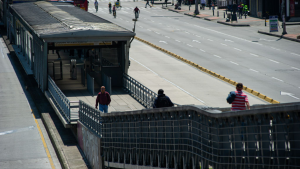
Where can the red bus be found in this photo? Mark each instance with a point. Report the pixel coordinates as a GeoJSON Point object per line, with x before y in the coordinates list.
{"type": "Point", "coordinates": [83, 4]}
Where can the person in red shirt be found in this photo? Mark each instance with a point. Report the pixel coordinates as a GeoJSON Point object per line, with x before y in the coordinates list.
{"type": "Point", "coordinates": [241, 99]}
{"type": "Point", "coordinates": [103, 99]}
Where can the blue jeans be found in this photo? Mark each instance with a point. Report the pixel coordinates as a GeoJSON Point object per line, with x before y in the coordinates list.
{"type": "Point", "coordinates": [103, 108]}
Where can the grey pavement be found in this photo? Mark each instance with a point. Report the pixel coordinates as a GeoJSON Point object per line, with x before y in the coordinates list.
{"type": "Point", "coordinates": [267, 64]}
{"type": "Point", "coordinates": [182, 83]}
{"type": "Point", "coordinates": [21, 144]}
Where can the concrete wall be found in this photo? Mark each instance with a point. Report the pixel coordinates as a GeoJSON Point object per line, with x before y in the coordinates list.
{"type": "Point", "coordinates": [90, 144]}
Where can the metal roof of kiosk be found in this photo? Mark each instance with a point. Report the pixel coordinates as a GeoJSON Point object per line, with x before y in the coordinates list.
{"type": "Point", "coordinates": [48, 22]}
{"type": "Point", "coordinates": [63, 22]}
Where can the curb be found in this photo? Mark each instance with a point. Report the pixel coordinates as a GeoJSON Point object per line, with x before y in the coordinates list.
{"type": "Point", "coordinates": [253, 92]}
{"type": "Point", "coordinates": [226, 23]}
{"type": "Point", "coordinates": [62, 159]}
{"type": "Point", "coordinates": [280, 36]}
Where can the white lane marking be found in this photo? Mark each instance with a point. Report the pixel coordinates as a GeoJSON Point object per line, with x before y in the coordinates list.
{"type": "Point", "coordinates": [288, 94]}
{"type": "Point", "coordinates": [254, 70]}
{"type": "Point", "coordinates": [217, 56]}
{"type": "Point", "coordinates": [187, 32]}
{"type": "Point", "coordinates": [202, 50]}
{"type": "Point", "coordinates": [189, 45]}
{"type": "Point", "coordinates": [274, 48]}
{"type": "Point", "coordinates": [273, 61]}
{"type": "Point", "coordinates": [163, 42]}
{"type": "Point", "coordinates": [148, 29]}
{"type": "Point", "coordinates": [121, 18]}
{"type": "Point", "coordinates": [167, 36]}
{"type": "Point", "coordinates": [177, 40]}
{"type": "Point", "coordinates": [237, 49]}
{"type": "Point", "coordinates": [295, 68]}
{"type": "Point", "coordinates": [167, 80]}
{"type": "Point", "coordinates": [233, 63]}
{"type": "Point", "coordinates": [295, 54]}
{"type": "Point", "coordinates": [253, 54]}
{"type": "Point", "coordinates": [141, 27]}
{"type": "Point", "coordinates": [227, 40]}
{"type": "Point", "coordinates": [210, 40]}
{"type": "Point", "coordinates": [223, 44]}
{"type": "Point", "coordinates": [198, 36]}
{"type": "Point", "coordinates": [157, 33]}
{"type": "Point", "coordinates": [266, 40]}
{"type": "Point", "coordinates": [277, 79]}
{"type": "Point", "coordinates": [196, 41]}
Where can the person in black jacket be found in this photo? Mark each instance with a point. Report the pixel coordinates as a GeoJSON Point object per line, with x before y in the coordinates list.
{"type": "Point", "coordinates": [162, 100]}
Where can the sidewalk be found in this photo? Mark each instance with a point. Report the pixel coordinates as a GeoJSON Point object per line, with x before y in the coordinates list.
{"type": "Point", "coordinates": [292, 28]}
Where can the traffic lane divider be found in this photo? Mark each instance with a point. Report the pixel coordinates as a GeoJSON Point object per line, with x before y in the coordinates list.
{"type": "Point", "coordinates": [253, 92]}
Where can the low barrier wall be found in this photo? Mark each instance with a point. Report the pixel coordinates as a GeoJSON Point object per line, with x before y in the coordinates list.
{"type": "Point", "coordinates": [198, 136]}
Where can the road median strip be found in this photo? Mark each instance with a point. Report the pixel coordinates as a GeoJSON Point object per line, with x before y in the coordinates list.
{"type": "Point", "coordinates": [253, 92]}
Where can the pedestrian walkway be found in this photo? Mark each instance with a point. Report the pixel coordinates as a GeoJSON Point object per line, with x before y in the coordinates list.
{"type": "Point", "coordinates": [23, 140]}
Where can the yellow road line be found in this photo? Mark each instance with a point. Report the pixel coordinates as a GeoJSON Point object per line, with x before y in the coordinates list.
{"type": "Point", "coordinates": [44, 142]}
{"type": "Point", "coordinates": [253, 92]}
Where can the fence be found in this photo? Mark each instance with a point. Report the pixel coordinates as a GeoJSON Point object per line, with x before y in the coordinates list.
{"type": "Point", "coordinates": [139, 91]}
{"type": "Point", "coordinates": [90, 117]}
{"type": "Point", "coordinates": [60, 99]}
{"type": "Point", "coordinates": [193, 137]}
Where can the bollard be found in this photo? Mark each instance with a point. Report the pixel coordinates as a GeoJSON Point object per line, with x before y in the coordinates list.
{"type": "Point", "coordinates": [224, 14]}
{"type": "Point", "coordinates": [218, 14]}
{"type": "Point", "coordinates": [213, 12]}
{"type": "Point", "coordinates": [265, 21]}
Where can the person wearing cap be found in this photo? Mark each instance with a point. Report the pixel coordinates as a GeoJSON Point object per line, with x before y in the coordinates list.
{"type": "Point", "coordinates": [162, 100]}
{"type": "Point", "coordinates": [241, 99]}
{"type": "Point", "coordinates": [103, 99]}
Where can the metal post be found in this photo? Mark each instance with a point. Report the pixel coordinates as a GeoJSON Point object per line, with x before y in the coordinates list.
{"type": "Point", "coordinates": [196, 12]}
{"type": "Point", "coordinates": [213, 12]}
{"type": "Point", "coordinates": [283, 25]}
{"type": "Point", "coordinates": [217, 13]}
{"type": "Point", "coordinates": [224, 14]}
{"type": "Point", "coordinates": [265, 21]}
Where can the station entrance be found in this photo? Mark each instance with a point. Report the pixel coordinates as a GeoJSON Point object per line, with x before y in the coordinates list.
{"type": "Point", "coordinates": [74, 66]}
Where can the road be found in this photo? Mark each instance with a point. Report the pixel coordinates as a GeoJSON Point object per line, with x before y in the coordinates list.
{"type": "Point", "coordinates": [266, 64]}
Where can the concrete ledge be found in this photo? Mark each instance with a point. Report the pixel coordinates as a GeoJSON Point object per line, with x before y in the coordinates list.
{"type": "Point", "coordinates": [280, 36]}
{"type": "Point", "coordinates": [233, 24]}
{"type": "Point", "coordinates": [51, 130]}
{"type": "Point", "coordinates": [211, 18]}
{"type": "Point", "coordinates": [62, 119]}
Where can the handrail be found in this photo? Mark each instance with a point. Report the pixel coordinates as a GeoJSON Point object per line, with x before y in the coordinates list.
{"type": "Point", "coordinates": [59, 98]}
{"type": "Point", "coordinates": [139, 91]}
{"type": "Point", "coordinates": [142, 93]}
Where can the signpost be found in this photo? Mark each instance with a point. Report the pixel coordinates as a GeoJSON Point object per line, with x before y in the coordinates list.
{"type": "Point", "coordinates": [273, 23]}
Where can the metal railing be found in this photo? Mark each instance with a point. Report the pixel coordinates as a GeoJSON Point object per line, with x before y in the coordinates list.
{"type": "Point", "coordinates": [139, 91]}
{"type": "Point", "coordinates": [194, 136]}
{"type": "Point", "coordinates": [90, 117]}
{"type": "Point", "coordinates": [59, 98]}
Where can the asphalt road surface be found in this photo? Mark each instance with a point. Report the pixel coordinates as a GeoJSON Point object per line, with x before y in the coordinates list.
{"type": "Point", "coordinates": [266, 64]}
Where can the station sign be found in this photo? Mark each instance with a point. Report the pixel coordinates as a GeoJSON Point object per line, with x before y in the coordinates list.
{"type": "Point", "coordinates": [82, 44]}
